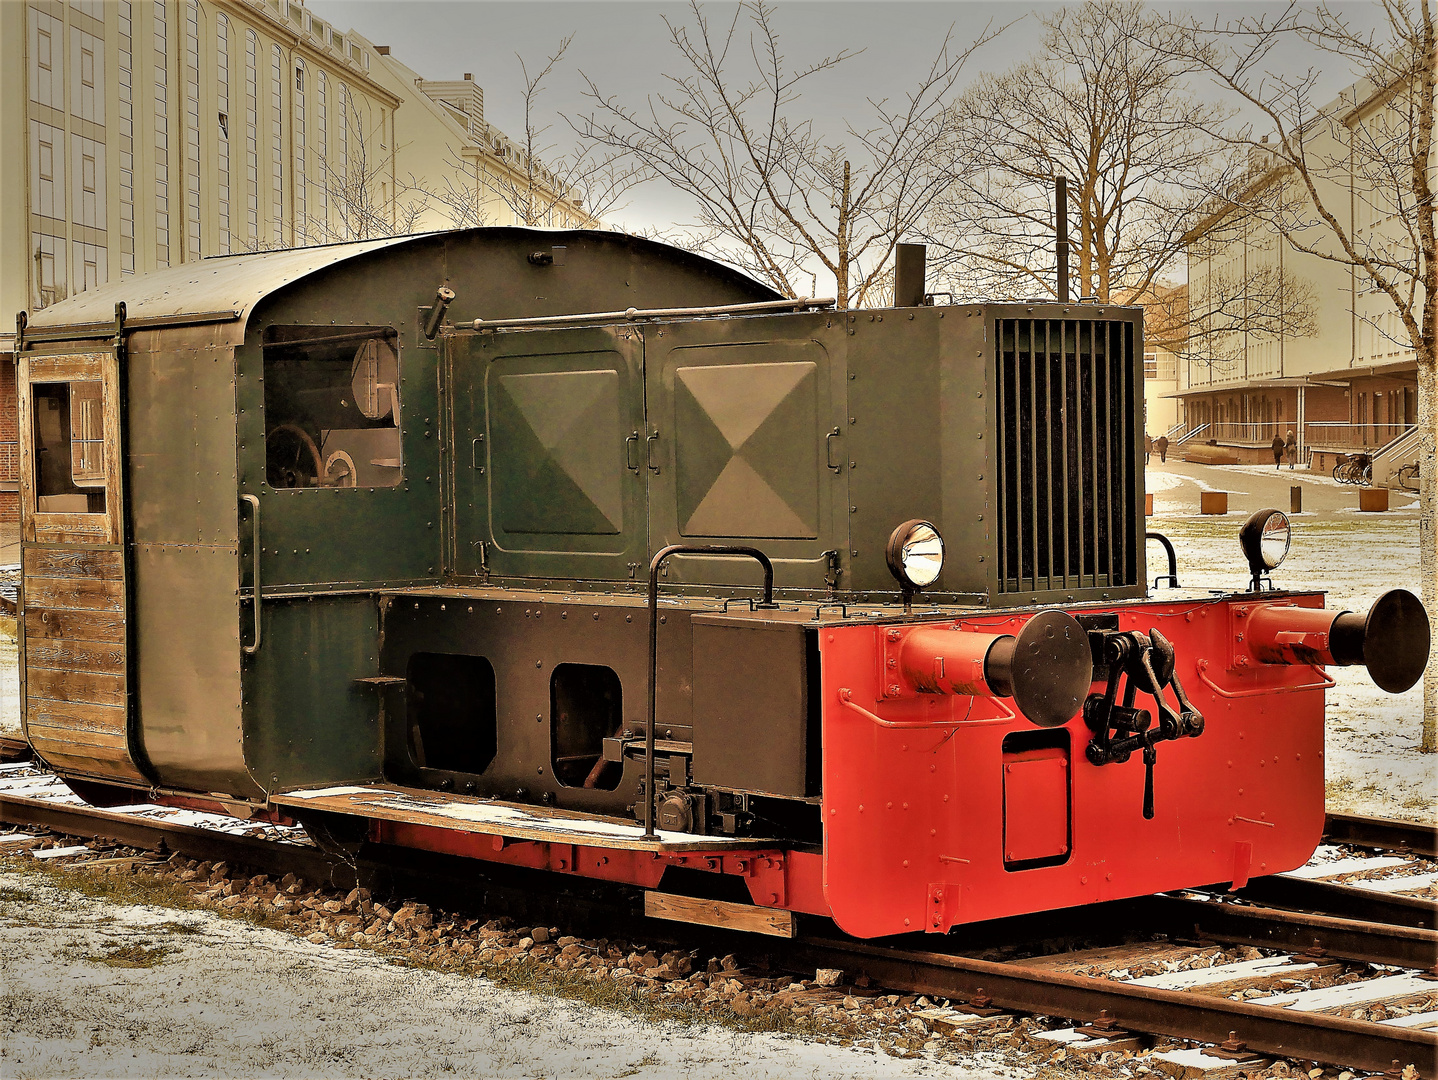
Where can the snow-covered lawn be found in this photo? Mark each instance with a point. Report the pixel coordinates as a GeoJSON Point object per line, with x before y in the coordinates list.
{"type": "Point", "coordinates": [89, 988]}
{"type": "Point", "coordinates": [1374, 766]}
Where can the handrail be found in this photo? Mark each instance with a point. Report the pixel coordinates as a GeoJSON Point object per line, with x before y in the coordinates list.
{"type": "Point", "coordinates": [654, 564]}
{"type": "Point", "coordinates": [1198, 430]}
{"type": "Point", "coordinates": [254, 502]}
{"type": "Point", "coordinates": [846, 698]}
{"type": "Point", "coordinates": [1172, 574]}
{"type": "Point", "coordinates": [633, 314]}
{"type": "Point", "coordinates": [1202, 665]}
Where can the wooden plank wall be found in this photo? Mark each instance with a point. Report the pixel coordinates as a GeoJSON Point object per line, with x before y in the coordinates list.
{"type": "Point", "coordinates": [75, 710]}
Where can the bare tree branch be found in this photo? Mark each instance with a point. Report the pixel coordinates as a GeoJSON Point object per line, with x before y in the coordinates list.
{"type": "Point", "coordinates": [773, 196]}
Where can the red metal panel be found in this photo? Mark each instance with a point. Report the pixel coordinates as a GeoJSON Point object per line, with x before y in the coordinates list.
{"type": "Point", "coordinates": [778, 879]}
{"type": "Point", "coordinates": [917, 807]}
{"type": "Point", "coordinates": [1036, 805]}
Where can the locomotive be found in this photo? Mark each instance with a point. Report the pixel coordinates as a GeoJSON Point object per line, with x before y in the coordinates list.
{"type": "Point", "coordinates": [578, 552]}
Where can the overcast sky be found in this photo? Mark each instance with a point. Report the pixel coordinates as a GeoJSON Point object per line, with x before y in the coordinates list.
{"type": "Point", "coordinates": [625, 49]}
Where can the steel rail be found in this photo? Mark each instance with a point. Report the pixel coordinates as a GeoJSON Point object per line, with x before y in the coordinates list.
{"type": "Point", "coordinates": [1305, 934]}
{"type": "Point", "coordinates": [1181, 1014]}
{"type": "Point", "coordinates": [1348, 901]}
{"type": "Point", "coordinates": [163, 836]}
{"type": "Point", "coordinates": [1264, 1029]}
{"type": "Point", "coordinates": [1383, 833]}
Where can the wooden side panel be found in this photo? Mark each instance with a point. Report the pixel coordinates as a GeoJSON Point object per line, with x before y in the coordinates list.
{"type": "Point", "coordinates": [74, 598]}
{"type": "Point", "coordinates": [75, 660]}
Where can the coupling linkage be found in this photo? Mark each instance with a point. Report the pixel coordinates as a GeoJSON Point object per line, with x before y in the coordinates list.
{"type": "Point", "coordinates": [1148, 661]}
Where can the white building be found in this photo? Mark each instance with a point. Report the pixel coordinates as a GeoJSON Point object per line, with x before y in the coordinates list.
{"type": "Point", "coordinates": [1352, 384]}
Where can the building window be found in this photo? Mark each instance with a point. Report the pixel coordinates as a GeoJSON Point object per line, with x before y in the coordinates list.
{"type": "Point", "coordinates": [277, 145]}
{"type": "Point", "coordinates": [127, 143]}
{"type": "Point", "coordinates": [222, 151]}
{"type": "Point", "coordinates": [162, 136]}
{"type": "Point", "coordinates": [47, 76]}
{"type": "Point", "coordinates": [194, 237]}
{"type": "Point", "coordinates": [252, 137]}
{"type": "Point", "coordinates": [302, 223]}
{"type": "Point", "coordinates": [87, 90]}
{"type": "Point", "coordinates": [87, 199]}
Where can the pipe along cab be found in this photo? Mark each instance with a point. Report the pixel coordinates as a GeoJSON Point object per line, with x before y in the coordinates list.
{"type": "Point", "coordinates": [456, 542]}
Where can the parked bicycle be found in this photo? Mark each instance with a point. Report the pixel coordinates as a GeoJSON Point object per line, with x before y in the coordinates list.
{"type": "Point", "coordinates": [1407, 476]}
{"type": "Point", "coordinates": [1354, 469]}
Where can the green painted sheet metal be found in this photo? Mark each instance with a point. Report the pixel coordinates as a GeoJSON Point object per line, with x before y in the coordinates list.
{"type": "Point", "coordinates": [307, 721]}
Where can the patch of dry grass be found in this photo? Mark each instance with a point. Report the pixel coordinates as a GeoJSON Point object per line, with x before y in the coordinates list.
{"type": "Point", "coordinates": [133, 955]}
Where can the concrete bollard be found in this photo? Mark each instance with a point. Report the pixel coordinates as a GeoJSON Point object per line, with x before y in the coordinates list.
{"type": "Point", "coordinates": [1372, 499]}
{"type": "Point", "coordinates": [1295, 499]}
{"type": "Point", "coordinates": [1213, 502]}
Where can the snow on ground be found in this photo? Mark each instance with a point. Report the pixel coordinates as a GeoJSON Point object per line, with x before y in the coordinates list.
{"type": "Point", "coordinates": [226, 998]}
{"type": "Point", "coordinates": [1374, 766]}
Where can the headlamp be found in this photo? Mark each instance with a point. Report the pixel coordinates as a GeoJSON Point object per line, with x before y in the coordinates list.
{"type": "Point", "coordinates": [915, 555]}
{"type": "Point", "coordinates": [1265, 539]}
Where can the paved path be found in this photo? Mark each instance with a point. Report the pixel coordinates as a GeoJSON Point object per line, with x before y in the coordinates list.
{"type": "Point", "coordinates": [1176, 486]}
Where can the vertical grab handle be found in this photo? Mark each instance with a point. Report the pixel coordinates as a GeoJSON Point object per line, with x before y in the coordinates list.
{"type": "Point", "coordinates": [649, 441]}
{"type": "Point", "coordinates": [631, 452]}
{"type": "Point", "coordinates": [829, 451]}
{"type": "Point", "coordinates": [254, 502]}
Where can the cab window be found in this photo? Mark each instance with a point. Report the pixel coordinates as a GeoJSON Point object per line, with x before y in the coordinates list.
{"type": "Point", "coordinates": [332, 407]}
{"type": "Point", "coordinates": [69, 447]}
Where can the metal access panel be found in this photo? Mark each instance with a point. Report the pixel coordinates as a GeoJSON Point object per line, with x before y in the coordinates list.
{"type": "Point", "coordinates": [1036, 806]}
{"type": "Point", "coordinates": [746, 424]}
{"type": "Point", "coordinates": [548, 453]}
{"type": "Point", "coordinates": [75, 619]}
{"type": "Point", "coordinates": [752, 725]}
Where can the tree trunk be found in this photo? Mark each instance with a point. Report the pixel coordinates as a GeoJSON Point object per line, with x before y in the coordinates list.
{"type": "Point", "coordinates": [1428, 534]}
{"type": "Point", "coordinates": [841, 273]}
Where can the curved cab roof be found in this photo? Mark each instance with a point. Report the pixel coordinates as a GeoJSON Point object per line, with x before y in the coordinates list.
{"type": "Point", "coordinates": [224, 288]}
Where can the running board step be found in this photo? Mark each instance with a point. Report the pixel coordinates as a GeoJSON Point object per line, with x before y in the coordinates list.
{"type": "Point", "coordinates": [724, 914]}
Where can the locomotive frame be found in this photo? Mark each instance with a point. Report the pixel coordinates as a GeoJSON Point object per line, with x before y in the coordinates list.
{"type": "Point", "coordinates": [358, 536]}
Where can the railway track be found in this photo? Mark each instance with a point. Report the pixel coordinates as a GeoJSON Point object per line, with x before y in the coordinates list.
{"type": "Point", "coordinates": [1310, 991]}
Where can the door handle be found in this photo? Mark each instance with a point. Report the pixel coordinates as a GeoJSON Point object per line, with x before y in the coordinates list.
{"type": "Point", "coordinates": [254, 502]}
{"type": "Point", "coordinates": [829, 451]}
{"type": "Point", "coordinates": [474, 453]}
{"type": "Point", "coordinates": [649, 442]}
{"type": "Point", "coordinates": [631, 452]}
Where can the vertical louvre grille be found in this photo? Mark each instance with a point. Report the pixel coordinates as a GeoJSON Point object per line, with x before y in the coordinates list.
{"type": "Point", "coordinates": [1067, 493]}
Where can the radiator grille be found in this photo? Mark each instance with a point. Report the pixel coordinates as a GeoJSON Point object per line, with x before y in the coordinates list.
{"type": "Point", "coordinates": [1067, 493]}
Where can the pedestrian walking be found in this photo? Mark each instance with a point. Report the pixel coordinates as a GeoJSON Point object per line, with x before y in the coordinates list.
{"type": "Point", "coordinates": [1147, 448]}
{"type": "Point", "coordinates": [1278, 451]}
{"type": "Point", "coordinates": [1291, 446]}
{"type": "Point", "coordinates": [1162, 445]}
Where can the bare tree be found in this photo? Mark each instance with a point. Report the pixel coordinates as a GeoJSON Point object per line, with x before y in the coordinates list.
{"type": "Point", "coordinates": [774, 196]}
{"type": "Point", "coordinates": [1373, 146]}
{"type": "Point", "coordinates": [1104, 103]}
{"type": "Point", "coordinates": [365, 199]}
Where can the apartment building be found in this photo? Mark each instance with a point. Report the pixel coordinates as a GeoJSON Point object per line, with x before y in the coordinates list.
{"type": "Point", "coordinates": [140, 134]}
{"type": "Point", "coordinates": [1348, 381]}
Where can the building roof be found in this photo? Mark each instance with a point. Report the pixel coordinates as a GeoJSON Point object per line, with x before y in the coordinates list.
{"type": "Point", "coordinates": [1287, 382]}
